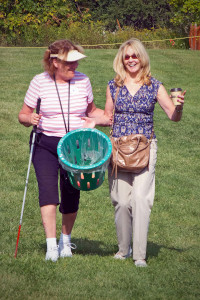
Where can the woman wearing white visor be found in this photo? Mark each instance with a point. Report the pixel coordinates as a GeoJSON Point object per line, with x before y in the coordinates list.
{"type": "Point", "coordinates": [61, 88]}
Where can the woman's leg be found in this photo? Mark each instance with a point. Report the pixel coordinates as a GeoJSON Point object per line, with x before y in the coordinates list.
{"type": "Point", "coordinates": [46, 167]}
{"type": "Point", "coordinates": [68, 221]}
{"type": "Point", "coordinates": [69, 208]}
{"type": "Point", "coordinates": [65, 244]}
{"type": "Point", "coordinates": [48, 213]}
{"type": "Point", "coordinates": [120, 192]}
{"type": "Point", "coordinates": [142, 202]}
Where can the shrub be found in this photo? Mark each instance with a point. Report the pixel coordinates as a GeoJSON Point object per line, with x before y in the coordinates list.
{"type": "Point", "coordinates": [91, 34]}
{"type": "Point", "coordinates": [155, 38]}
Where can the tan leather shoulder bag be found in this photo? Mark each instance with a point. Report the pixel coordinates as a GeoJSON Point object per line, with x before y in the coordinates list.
{"type": "Point", "coordinates": [129, 153]}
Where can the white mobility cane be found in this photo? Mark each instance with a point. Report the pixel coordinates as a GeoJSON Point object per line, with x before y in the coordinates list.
{"type": "Point", "coordinates": [29, 165]}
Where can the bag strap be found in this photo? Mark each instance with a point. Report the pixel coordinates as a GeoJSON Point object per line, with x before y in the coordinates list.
{"type": "Point", "coordinates": [116, 95]}
{"type": "Point", "coordinates": [66, 129]}
{"type": "Point", "coordinates": [151, 137]}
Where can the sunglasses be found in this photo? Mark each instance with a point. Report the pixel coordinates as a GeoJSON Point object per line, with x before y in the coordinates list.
{"type": "Point", "coordinates": [133, 56]}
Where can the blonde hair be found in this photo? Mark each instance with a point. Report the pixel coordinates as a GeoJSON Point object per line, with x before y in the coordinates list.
{"type": "Point", "coordinates": [58, 47]}
{"type": "Point", "coordinates": [139, 50]}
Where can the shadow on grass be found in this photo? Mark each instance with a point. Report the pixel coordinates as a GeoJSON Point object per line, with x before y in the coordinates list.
{"type": "Point", "coordinates": [154, 249]}
{"type": "Point", "coordinates": [91, 247]}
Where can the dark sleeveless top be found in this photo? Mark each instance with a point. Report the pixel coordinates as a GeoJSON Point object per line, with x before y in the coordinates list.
{"type": "Point", "coordinates": [134, 114]}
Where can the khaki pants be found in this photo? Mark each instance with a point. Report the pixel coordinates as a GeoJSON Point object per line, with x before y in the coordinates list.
{"type": "Point", "coordinates": [132, 196]}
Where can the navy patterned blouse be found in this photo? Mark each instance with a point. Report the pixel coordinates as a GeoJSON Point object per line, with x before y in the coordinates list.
{"type": "Point", "coordinates": [134, 114]}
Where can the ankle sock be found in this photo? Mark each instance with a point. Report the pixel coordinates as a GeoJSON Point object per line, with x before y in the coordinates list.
{"type": "Point", "coordinates": [51, 243]}
{"type": "Point", "coordinates": [65, 238]}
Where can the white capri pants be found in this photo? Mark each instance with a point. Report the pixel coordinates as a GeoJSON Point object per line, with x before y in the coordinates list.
{"type": "Point", "coordinates": [132, 196]}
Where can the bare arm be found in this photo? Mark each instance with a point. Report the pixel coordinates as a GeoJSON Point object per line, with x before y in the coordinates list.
{"type": "Point", "coordinates": [174, 113]}
{"type": "Point", "coordinates": [109, 104]}
{"type": "Point", "coordinates": [93, 111]}
{"type": "Point", "coordinates": [27, 117]}
{"type": "Point", "coordinates": [105, 118]}
{"type": "Point", "coordinates": [98, 116]}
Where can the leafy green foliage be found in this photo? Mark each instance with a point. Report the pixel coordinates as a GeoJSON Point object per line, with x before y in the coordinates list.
{"type": "Point", "coordinates": [17, 14]}
{"type": "Point", "coordinates": [186, 12]}
{"type": "Point", "coordinates": [39, 22]}
{"type": "Point", "coordinates": [92, 35]}
{"type": "Point", "coordinates": [138, 14]}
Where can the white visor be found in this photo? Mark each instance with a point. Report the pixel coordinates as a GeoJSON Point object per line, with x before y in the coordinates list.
{"type": "Point", "coordinates": [73, 55]}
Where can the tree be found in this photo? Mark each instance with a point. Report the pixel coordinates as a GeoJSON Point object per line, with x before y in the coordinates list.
{"type": "Point", "coordinates": [137, 13]}
{"type": "Point", "coordinates": [16, 14]}
{"type": "Point", "coordinates": [185, 12]}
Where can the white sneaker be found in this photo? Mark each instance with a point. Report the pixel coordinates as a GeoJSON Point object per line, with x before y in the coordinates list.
{"type": "Point", "coordinates": [119, 255]}
{"type": "Point", "coordinates": [65, 249]}
{"type": "Point", "coordinates": [140, 263]}
{"type": "Point", "coordinates": [52, 254]}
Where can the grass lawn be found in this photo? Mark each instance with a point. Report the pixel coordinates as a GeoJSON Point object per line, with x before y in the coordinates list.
{"type": "Point", "coordinates": [92, 273]}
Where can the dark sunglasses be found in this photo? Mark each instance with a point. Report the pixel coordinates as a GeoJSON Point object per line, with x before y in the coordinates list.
{"type": "Point", "coordinates": [133, 56]}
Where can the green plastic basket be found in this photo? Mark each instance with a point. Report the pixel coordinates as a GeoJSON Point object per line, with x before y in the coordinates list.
{"type": "Point", "coordinates": [84, 154]}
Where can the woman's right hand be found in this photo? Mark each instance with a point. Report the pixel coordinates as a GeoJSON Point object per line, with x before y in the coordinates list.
{"type": "Point", "coordinates": [35, 119]}
{"type": "Point", "coordinates": [28, 117]}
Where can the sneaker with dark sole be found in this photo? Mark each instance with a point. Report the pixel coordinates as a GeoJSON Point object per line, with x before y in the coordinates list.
{"type": "Point", "coordinates": [52, 254]}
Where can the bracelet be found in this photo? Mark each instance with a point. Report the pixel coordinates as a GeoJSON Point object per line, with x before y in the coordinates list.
{"type": "Point", "coordinates": [179, 110]}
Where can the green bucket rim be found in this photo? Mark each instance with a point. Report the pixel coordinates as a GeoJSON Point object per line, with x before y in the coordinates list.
{"type": "Point", "coordinates": [84, 168]}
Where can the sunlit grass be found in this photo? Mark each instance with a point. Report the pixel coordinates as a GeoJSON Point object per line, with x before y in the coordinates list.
{"type": "Point", "coordinates": [92, 273]}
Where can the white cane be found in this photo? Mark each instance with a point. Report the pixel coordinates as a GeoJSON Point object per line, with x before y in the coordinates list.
{"type": "Point", "coordinates": [27, 177]}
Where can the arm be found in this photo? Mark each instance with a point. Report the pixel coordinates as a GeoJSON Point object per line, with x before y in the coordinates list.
{"type": "Point", "coordinates": [93, 111]}
{"type": "Point", "coordinates": [27, 117]}
{"type": "Point", "coordinates": [93, 114]}
{"type": "Point", "coordinates": [98, 116]}
{"type": "Point", "coordinates": [173, 112]}
{"type": "Point", "coordinates": [109, 104]}
{"type": "Point", "coordinates": [105, 118]}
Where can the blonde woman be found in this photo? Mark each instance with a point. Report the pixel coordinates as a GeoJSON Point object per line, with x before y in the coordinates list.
{"type": "Point", "coordinates": [132, 194]}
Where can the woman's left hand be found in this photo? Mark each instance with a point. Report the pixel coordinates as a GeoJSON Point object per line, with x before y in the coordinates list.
{"type": "Point", "coordinates": [181, 98]}
{"type": "Point", "coordinates": [89, 122]}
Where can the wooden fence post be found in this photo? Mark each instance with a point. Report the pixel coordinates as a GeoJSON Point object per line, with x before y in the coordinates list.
{"type": "Point", "coordinates": [194, 39]}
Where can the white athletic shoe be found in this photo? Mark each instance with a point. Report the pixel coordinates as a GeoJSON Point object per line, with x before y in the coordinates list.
{"type": "Point", "coordinates": [140, 263]}
{"type": "Point", "coordinates": [65, 249]}
{"type": "Point", "coordinates": [119, 255]}
{"type": "Point", "coordinates": [52, 254]}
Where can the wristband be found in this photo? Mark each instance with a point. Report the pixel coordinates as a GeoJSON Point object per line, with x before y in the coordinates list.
{"type": "Point", "coordinates": [178, 110]}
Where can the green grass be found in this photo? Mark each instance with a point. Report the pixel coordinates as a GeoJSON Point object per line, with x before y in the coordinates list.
{"type": "Point", "coordinates": [92, 273]}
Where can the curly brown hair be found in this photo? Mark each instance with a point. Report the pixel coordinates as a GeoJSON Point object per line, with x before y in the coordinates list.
{"type": "Point", "coordinates": [58, 47]}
